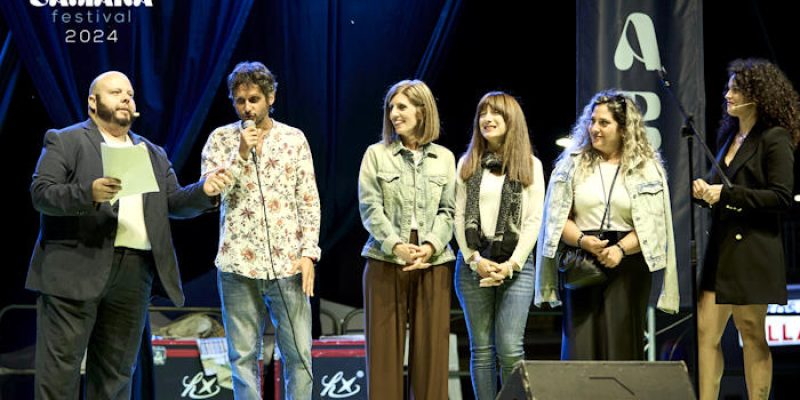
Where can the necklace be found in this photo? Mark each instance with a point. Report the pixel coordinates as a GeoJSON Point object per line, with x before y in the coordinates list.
{"type": "Point", "coordinates": [740, 137]}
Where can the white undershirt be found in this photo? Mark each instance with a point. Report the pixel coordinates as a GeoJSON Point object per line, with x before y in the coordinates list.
{"type": "Point", "coordinates": [590, 201]}
{"type": "Point", "coordinates": [131, 230]}
{"type": "Point", "coordinates": [491, 193]}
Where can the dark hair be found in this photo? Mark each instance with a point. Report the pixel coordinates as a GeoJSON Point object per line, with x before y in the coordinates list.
{"type": "Point", "coordinates": [516, 150]}
{"type": "Point", "coordinates": [763, 83]}
{"type": "Point", "coordinates": [254, 73]}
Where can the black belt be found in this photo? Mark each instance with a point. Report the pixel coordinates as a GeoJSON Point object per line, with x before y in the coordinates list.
{"type": "Point", "coordinates": [130, 251]}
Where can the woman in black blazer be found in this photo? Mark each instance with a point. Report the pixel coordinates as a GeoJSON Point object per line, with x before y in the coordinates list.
{"type": "Point", "coordinates": [744, 267]}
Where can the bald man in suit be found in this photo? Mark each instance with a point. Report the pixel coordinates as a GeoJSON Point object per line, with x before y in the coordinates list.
{"type": "Point", "coordinates": [94, 262]}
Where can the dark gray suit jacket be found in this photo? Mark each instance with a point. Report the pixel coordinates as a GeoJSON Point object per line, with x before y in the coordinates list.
{"type": "Point", "coordinates": [73, 255]}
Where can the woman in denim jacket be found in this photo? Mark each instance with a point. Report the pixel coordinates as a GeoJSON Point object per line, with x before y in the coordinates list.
{"type": "Point", "coordinates": [406, 195]}
{"type": "Point", "coordinates": [499, 200]}
{"type": "Point", "coordinates": [610, 162]}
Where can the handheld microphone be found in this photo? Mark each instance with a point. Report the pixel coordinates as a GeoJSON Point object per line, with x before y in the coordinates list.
{"type": "Point", "coordinates": [247, 124]}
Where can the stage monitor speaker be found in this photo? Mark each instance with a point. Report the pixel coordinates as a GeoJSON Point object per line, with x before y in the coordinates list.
{"type": "Point", "coordinates": [598, 380]}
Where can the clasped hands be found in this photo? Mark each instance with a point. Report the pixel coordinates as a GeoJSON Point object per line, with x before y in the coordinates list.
{"type": "Point", "coordinates": [492, 273]}
{"type": "Point", "coordinates": [609, 256]}
{"type": "Point", "coordinates": [701, 190]}
{"type": "Point", "coordinates": [415, 257]}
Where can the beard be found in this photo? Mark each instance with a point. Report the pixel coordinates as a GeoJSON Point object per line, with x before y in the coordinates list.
{"type": "Point", "coordinates": [257, 116]}
{"type": "Point", "coordinates": [108, 115]}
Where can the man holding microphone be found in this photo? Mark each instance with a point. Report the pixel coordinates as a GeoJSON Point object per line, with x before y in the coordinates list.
{"type": "Point", "coordinates": [269, 234]}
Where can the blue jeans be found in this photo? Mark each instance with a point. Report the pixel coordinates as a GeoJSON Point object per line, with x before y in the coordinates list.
{"type": "Point", "coordinates": [245, 303]}
{"type": "Point", "coordinates": [496, 318]}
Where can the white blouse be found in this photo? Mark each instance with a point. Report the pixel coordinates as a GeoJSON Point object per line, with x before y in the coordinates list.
{"type": "Point", "coordinates": [490, 194]}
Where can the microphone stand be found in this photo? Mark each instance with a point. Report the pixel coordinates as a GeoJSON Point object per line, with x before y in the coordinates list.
{"type": "Point", "coordinates": [689, 131]}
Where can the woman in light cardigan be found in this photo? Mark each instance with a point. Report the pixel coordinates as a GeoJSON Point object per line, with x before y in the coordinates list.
{"type": "Point", "coordinates": [499, 197]}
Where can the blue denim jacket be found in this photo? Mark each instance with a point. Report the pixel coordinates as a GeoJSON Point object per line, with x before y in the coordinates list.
{"type": "Point", "coordinates": [652, 220]}
{"type": "Point", "coordinates": [387, 183]}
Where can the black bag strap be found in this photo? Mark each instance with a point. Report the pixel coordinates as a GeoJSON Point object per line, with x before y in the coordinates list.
{"type": "Point", "coordinates": [608, 200]}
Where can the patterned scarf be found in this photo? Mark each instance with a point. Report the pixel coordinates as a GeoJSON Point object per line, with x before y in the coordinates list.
{"type": "Point", "coordinates": [507, 229]}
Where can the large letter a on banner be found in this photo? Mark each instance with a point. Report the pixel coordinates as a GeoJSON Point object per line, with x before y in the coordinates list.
{"type": "Point", "coordinates": [646, 35]}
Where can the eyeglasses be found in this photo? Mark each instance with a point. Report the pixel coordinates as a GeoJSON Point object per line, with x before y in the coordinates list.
{"type": "Point", "coordinates": [617, 98]}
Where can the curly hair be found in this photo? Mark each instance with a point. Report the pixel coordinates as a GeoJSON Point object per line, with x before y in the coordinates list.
{"type": "Point", "coordinates": [516, 150]}
{"type": "Point", "coordinates": [762, 82]}
{"type": "Point", "coordinates": [636, 149]}
{"type": "Point", "coordinates": [252, 73]}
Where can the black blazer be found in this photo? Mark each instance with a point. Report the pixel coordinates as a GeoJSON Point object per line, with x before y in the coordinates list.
{"type": "Point", "coordinates": [74, 252]}
{"type": "Point", "coordinates": [746, 244]}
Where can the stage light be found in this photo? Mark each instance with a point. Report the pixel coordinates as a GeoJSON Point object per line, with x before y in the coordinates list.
{"type": "Point", "coordinates": [563, 142]}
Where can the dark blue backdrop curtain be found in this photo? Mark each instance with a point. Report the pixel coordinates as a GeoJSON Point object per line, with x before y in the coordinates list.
{"type": "Point", "coordinates": [9, 71]}
{"type": "Point", "coordinates": [175, 53]}
{"type": "Point", "coordinates": [334, 61]}
{"type": "Point", "coordinates": [437, 44]}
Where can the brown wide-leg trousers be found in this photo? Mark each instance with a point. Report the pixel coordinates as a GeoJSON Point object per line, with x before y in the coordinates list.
{"type": "Point", "coordinates": [421, 298]}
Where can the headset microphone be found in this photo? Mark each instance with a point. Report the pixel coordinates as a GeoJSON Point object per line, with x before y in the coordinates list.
{"type": "Point", "coordinates": [743, 105]}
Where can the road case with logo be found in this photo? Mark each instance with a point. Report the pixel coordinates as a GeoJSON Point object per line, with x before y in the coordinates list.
{"type": "Point", "coordinates": [178, 372]}
{"type": "Point", "coordinates": [339, 367]}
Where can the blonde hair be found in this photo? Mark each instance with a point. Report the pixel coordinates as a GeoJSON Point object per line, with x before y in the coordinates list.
{"type": "Point", "coordinates": [636, 149]}
{"type": "Point", "coordinates": [419, 94]}
{"type": "Point", "coordinates": [516, 150]}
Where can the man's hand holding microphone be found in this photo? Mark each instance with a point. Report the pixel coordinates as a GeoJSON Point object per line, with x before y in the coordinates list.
{"type": "Point", "coordinates": [249, 139]}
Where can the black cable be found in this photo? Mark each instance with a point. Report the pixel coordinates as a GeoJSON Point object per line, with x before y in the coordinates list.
{"type": "Point", "coordinates": [272, 269]}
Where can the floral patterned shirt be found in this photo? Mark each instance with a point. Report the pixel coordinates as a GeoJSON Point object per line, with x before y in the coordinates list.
{"type": "Point", "coordinates": [291, 200]}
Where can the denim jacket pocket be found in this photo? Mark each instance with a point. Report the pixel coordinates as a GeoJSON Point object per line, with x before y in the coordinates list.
{"type": "Point", "coordinates": [388, 180]}
{"type": "Point", "coordinates": [434, 185]}
{"type": "Point", "coordinates": [438, 180]}
{"type": "Point", "coordinates": [649, 221]}
{"type": "Point", "coordinates": [651, 187]}
{"type": "Point", "coordinates": [649, 195]}
{"type": "Point", "coordinates": [389, 183]}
